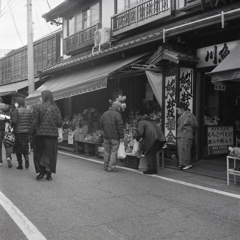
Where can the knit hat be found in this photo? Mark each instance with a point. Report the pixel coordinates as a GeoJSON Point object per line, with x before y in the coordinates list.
{"type": "Point", "coordinates": [20, 101]}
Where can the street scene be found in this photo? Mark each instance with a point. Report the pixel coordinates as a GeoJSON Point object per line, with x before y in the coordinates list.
{"type": "Point", "coordinates": [119, 119]}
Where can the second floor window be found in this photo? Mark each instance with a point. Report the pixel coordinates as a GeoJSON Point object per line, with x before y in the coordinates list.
{"type": "Point", "coordinates": [87, 18]}
{"type": "Point", "coordinates": [125, 4]}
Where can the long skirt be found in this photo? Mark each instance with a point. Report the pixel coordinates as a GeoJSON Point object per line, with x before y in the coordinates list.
{"type": "Point", "coordinates": [45, 153]}
{"type": "Point", "coordinates": [184, 146]}
{"type": "Point", "coordinates": [21, 143]}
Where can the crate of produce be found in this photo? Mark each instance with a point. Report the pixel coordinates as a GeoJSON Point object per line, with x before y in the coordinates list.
{"type": "Point", "coordinates": [131, 162]}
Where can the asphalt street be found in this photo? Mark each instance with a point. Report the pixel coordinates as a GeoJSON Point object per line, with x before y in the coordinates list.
{"type": "Point", "coordinates": [83, 202]}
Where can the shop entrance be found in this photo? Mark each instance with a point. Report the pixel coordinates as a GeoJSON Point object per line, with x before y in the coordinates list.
{"type": "Point", "coordinates": [221, 112]}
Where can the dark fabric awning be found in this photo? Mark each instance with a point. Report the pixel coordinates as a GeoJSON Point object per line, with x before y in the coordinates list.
{"type": "Point", "coordinates": [13, 87]}
{"type": "Point", "coordinates": [228, 69]}
{"type": "Point", "coordinates": [173, 56]}
{"type": "Point", "coordinates": [82, 81]}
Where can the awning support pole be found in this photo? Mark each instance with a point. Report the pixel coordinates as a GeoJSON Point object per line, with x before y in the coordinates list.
{"type": "Point", "coordinates": [222, 19]}
{"type": "Point", "coordinates": [164, 35]}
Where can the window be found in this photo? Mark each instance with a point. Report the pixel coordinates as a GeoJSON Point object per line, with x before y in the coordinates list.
{"type": "Point", "coordinates": [88, 17]}
{"type": "Point", "coordinates": [71, 25]}
{"type": "Point", "coordinates": [125, 4]}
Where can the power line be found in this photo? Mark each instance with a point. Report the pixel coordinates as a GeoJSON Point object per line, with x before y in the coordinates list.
{"type": "Point", "coordinates": [49, 5]}
{"type": "Point", "coordinates": [12, 15]}
{"type": "Point", "coordinates": [42, 14]}
{"type": "Point", "coordinates": [5, 10]}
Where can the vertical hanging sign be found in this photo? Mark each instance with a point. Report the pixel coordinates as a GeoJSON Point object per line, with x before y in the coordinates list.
{"type": "Point", "coordinates": [186, 87]}
{"type": "Point", "coordinates": [170, 110]}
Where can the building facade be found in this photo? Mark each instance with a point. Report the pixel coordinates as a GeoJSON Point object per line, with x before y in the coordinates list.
{"type": "Point", "coordinates": [183, 48]}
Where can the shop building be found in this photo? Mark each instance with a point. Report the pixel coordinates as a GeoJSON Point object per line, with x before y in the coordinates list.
{"type": "Point", "coordinates": [14, 66]}
{"type": "Point", "coordinates": [128, 46]}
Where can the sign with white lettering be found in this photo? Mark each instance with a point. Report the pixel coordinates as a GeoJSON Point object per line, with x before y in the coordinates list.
{"type": "Point", "coordinates": [219, 87]}
{"type": "Point", "coordinates": [215, 54]}
{"type": "Point", "coordinates": [219, 138]}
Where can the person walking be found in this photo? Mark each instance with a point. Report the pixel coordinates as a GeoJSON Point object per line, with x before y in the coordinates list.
{"type": "Point", "coordinates": [21, 119]}
{"type": "Point", "coordinates": [152, 140]}
{"type": "Point", "coordinates": [111, 124]}
{"type": "Point", "coordinates": [46, 121]}
{"type": "Point", "coordinates": [187, 125]}
{"type": "Point", "coordinates": [5, 112]}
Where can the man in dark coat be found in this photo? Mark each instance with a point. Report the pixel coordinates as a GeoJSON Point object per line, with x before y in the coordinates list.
{"type": "Point", "coordinates": [111, 123]}
{"type": "Point", "coordinates": [153, 140]}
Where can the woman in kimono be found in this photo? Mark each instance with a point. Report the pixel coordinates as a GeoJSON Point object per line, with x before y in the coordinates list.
{"type": "Point", "coordinates": [187, 125]}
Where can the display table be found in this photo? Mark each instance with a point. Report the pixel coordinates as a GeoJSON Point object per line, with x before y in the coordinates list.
{"type": "Point", "coordinates": [89, 148]}
{"type": "Point", "coordinates": [231, 170]}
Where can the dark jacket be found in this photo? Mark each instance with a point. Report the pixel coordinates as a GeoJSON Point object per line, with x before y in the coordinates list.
{"type": "Point", "coordinates": [21, 120]}
{"type": "Point", "coordinates": [48, 125]}
{"type": "Point", "coordinates": [150, 132]}
{"type": "Point", "coordinates": [4, 109]}
{"type": "Point", "coordinates": [111, 123]}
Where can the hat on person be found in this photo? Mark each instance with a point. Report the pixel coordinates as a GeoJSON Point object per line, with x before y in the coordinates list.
{"type": "Point", "coordinates": [20, 101]}
{"type": "Point", "coordinates": [116, 104]}
{"type": "Point", "coordinates": [181, 105]}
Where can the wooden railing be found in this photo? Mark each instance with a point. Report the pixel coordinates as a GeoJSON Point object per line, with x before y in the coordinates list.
{"type": "Point", "coordinates": [139, 13]}
{"type": "Point", "coordinates": [80, 38]}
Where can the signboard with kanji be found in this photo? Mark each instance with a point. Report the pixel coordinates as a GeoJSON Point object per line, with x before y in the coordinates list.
{"type": "Point", "coordinates": [219, 138]}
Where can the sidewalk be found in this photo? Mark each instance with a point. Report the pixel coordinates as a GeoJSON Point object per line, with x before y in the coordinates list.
{"type": "Point", "coordinates": [208, 173]}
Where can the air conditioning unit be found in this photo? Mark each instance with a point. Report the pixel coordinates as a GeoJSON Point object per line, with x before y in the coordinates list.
{"type": "Point", "coordinates": [101, 36]}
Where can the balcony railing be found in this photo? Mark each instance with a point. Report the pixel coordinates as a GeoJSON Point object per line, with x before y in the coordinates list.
{"type": "Point", "coordinates": [140, 12]}
{"type": "Point", "coordinates": [80, 38]}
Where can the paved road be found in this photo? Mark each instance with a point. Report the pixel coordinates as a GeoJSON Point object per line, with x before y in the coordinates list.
{"type": "Point", "coordinates": [83, 202]}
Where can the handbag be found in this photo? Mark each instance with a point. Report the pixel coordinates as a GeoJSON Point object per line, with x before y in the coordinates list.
{"type": "Point", "coordinates": [9, 137]}
{"type": "Point", "coordinates": [121, 154]}
{"type": "Point", "coordinates": [136, 149]}
{"type": "Point", "coordinates": [60, 135]}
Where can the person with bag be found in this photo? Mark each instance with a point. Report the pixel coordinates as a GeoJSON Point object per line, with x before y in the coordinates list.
{"type": "Point", "coordinates": [22, 124]}
{"type": "Point", "coordinates": [45, 123]}
{"type": "Point", "coordinates": [152, 140]}
{"type": "Point", "coordinates": [187, 125]}
{"type": "Point", "coordinates": [111, 124]}
{"type": "Point", "coordinates": [5, 112]}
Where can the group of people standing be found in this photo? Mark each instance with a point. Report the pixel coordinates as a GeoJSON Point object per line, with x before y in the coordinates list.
{"type": "Point", "coordinates": [37, 127]}
{"type": "Point", "coordinates": [149, 134]}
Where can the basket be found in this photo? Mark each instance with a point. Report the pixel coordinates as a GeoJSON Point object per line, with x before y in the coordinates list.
{"type": "Point", "coordinates": [131, 162]}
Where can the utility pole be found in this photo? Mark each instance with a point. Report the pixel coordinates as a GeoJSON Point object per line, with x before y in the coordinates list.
{"type": "Point", "coordinates": [31, 86]}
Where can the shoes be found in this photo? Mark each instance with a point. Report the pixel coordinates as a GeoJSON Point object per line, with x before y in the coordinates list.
{"type": "Point", "coordinates": [187, 167]}
{"type": "Point", "coordinates": [20, 167]}
{"type": "Point", "coordinates": [105, 167]}
{"type": "Point", "coordinates": [148, 172]}
{"type": "Point", "coordinates": [181, 166]}
{"type": "Point", "coordinates": [9, 162]}
{"type": "Point", "coordinates": [26, 164]}
{"type": "Point", "coordinates": [40, 176]}
{"type": "Point", "coordinates": [112, 170]}
{"type": "Point", "coordinates": [49, 177]}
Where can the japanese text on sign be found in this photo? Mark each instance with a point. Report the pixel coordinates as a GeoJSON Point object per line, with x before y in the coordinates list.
{"type": "Point", "coordinates": [219, 138]}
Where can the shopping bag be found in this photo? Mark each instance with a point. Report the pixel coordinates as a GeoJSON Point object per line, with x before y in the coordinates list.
{"type": "Point", "coordinates": [136, 149]}
{"type": "Point", "coordinates": [121, 154]}
{"type": "Point", "coordinates": [60, 135]}
{"type": "Point", "coordinates": [9, 137]}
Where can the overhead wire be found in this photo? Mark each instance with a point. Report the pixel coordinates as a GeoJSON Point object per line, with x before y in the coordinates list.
{"type": "Point", "coordinates": [5, 10]}
{"type": "Point", "coordinates": [49, 5]}
{"type": "Point", "coordinates": [42, 14]}
{"type": "Point", "coordinates": [14, 22]}
{"type": "Point", "coordinates": [36, 16]}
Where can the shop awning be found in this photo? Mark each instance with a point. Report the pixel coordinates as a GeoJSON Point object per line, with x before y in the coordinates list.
{"type": "Point", "coordinates": [155, 80]}
{"type": "Point", "coordinates": [81, 81]}
{"type": "Point", "coordinates": [173, 56]}
{"type": "Point", "coordinates": [229, 68]}
{"type": "Point", "coordinates": [13, 87]}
